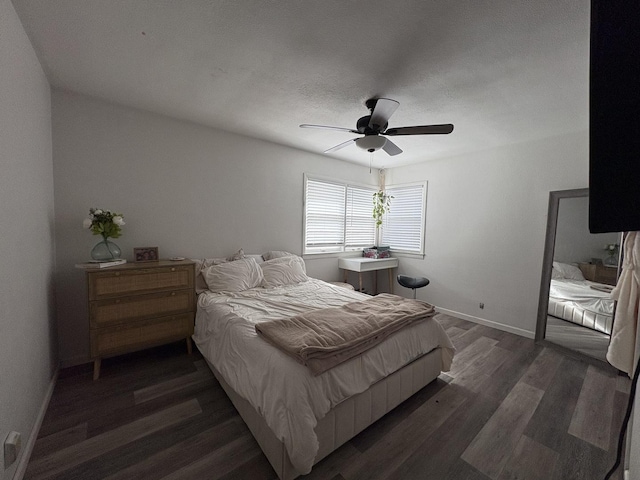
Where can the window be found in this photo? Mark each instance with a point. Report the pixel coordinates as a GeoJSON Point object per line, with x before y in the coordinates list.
{"type": "Point", "coordinates": [403, 225]}
{"type": "Point", "coordinates": [337, 216]}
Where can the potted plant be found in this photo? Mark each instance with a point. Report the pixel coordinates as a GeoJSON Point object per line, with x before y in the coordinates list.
{"type": "Point", "coordinates": [381, 205]}
{"type": "Point", "coordinates": [612, 251]}
{"type": "Point", "coordinates": [106, 224]}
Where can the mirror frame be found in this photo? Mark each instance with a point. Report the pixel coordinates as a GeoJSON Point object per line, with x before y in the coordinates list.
{"type": "Point", "coordinates": [547, 260]}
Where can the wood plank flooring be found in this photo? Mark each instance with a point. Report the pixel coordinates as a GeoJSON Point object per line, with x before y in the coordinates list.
{"type": "Point", "coordinates": [514, 410]}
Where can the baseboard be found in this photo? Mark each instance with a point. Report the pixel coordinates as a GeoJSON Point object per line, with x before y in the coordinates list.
{"type": "Point", "coordinates": [500, 326]}
{"type": "Point", "coordinates": [28, 447]}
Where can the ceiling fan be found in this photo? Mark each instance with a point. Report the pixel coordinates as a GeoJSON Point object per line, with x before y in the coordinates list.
{"type": "Point", "coordinates": [374, 126]}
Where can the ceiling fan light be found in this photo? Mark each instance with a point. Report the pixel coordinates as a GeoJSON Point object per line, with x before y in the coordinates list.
{"type": "Point", "coordinates": [371, 143]}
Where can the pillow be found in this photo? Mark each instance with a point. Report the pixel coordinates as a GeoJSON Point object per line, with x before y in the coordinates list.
{"type": "Point", "coordinates": [257, 258]}
{"type": "Point", "coordinates": [239, 255]}
{"type": "Point", "coordinates": [567, 271]}
{"type": "Point", "coordinates": [201, 264]}
{"type": "Point", "coordinates": [233, 276]}
{"type": "Point", "coordinates": [275, 254]}
{"type": "Point", "coordinates": [281, 271]}
{"type": "Point", "coordinates": [555, 274]}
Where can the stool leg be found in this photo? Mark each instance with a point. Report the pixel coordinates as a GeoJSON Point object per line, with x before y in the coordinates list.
{"type": "Point", "coordinates": [414, 293]}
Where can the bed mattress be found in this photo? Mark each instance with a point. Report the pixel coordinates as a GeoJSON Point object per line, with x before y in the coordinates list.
{"type": "Point", "coordinates": [582, 302]}
{"type": "Point", "coordinates": [289, 398]}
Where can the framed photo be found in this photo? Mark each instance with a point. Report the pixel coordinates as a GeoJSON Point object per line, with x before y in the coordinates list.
{"type": "Point", "coordinates": [145, 254]}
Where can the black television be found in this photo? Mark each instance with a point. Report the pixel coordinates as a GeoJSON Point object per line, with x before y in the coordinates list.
{"type": "Point", "coordinates": [614, 116]}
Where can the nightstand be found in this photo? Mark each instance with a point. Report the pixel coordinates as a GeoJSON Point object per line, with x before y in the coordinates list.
{"type": "Point", "coordinates": [599, 273]}
{"type": "Point", "coordinates": [139, 305]}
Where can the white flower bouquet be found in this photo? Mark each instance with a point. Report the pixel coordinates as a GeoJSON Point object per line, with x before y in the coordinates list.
{"type": "Point", "coordinates": [612, 249]}
{"type": "Point", "coordinates": [104, 222]}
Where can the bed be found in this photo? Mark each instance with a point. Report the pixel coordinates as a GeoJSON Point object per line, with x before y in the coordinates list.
{"type": "Point", "coordinates": [580, 301]}
{"type": "Point", "coordinates": [297, 417]}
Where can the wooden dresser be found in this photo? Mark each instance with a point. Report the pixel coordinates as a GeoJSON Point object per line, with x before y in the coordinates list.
{"type": "Point", "coordinates": [599, 273]}
{"type": "Point", "coordinates": [139, 305]}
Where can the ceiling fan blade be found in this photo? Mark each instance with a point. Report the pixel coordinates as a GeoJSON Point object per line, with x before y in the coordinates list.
{"type": "Point", "coordinates": [325, 127]}
{"type": "Point", "coordinates": [391, 148]}
{"type": "Point", "coordinates": [381, 112]}
{"type": "Point", "coordinates": [421, 130]}
{"type": "Point", "coordinates": [340, 145]}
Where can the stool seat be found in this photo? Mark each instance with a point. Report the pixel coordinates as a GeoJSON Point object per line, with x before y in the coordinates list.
{"type": "Point", "coordinates": [412, 282]}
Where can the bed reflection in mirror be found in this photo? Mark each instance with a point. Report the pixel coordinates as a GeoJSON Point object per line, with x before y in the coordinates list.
{"type": "Point", "coordinates": [580, 271]}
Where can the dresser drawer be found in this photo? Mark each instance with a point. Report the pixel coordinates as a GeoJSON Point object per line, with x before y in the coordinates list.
{"type": "Point", "coordinates": [142, 334]}
{"type": "Point", "coordinates": [139, 280]}
{"type": "Point", "coordinates": [120, 310]}
{"type": "Point", "coordinates": [135, 306]}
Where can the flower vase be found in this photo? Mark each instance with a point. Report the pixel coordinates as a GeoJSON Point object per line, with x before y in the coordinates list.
{"type": "Point", "coordinates": [611, 260]}
{"type": "Point", "coordinates": [105, 250]}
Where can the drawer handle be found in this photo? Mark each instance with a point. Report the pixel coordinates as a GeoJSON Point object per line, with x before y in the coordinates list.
{"type": "Point", "coordinates": [118, 301]}
{"type": "Point", "coordinates": [117, 274]}
{"type": "Point", "coordinates": [173, 294]}
{"type": "Point", "coordinates": [173, 269]}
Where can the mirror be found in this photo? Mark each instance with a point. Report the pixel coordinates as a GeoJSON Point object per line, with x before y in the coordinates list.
{"type": "Point", "coordinates": [575, 309]}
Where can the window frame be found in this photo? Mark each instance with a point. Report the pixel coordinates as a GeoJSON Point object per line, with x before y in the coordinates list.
{"type": "Point", "coordinates": [423, 219]}
{"type": "Point", "coordinates": [338, 249]}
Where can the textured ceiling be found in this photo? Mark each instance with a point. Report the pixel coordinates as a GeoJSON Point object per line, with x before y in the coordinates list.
{"type": "Point", "coordinates": [502, 71]}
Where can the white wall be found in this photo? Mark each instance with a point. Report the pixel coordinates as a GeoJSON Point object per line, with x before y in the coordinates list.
{"type": "Point", "coordinates": [187, 189]}
{"type": "Point", "coordinates": [574, 242]}
{"type": "Point", "coordinates": [27, 338]}
{"type": "Point", "coordinates": [486, 223]}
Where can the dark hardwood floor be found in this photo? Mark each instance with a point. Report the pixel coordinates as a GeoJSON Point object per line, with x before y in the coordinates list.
{"type": "Point", "coordinates": [509, 409]}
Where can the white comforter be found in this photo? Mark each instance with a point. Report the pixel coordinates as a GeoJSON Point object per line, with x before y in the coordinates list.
{"type": "Point", "coordinates": [580, 293]}
{"type": "Point", "coordinates": [291, 399]}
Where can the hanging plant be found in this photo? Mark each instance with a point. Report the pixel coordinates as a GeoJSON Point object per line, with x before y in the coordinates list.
{"type": "Point", "coordinates": [381, 205]}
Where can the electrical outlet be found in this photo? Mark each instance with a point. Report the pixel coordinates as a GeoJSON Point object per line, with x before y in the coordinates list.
{"type": "Point", "coordinates": [12, 445]}
{"type": "Point", "coordinates": [481, 306]}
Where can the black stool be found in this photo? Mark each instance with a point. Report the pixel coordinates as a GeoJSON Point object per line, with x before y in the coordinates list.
{"type": "Point", "coordinates": [413, 282]}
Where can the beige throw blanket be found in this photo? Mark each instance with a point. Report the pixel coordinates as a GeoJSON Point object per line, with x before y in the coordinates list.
{"type": "Point", "coordinates": [322, 339]}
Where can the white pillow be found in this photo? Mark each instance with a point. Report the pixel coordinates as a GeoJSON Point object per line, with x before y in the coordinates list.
{"type": "Point", "coordinates": [239, 255]}
{"type": "Point", "coordinates": [555, 274]}
{"type": "Point", "coordinates": [283, 271]}
{"type": "Point", "coordinates": [257, 258]}
{"type": "Point", "coordinates": [567, 271]}
{"type": "Point", "coordinates": [201, 264]}
{"type": "Point", "coordinates": [233, 276]}
{"type": "Point", "coordinates": [275, 254]}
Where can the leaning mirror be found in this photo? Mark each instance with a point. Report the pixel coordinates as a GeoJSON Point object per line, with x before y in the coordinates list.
{"type": "Point", "coordinates": [575, 309]}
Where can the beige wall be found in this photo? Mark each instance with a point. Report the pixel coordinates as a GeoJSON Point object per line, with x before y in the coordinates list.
{"type": "Point", "coordinates": [574, 242]}
{"type": "Point", "coordinates": [190, 190]}
{"type": "Point", "coordinates": [195, 192]}
{"type": "Point", "coordinates": [27, 338]}
{"type": "Point", "coordinates": [486, 223]}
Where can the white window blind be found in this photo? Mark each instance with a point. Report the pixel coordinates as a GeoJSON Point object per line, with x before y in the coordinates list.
{"type": "Point", "coordinates": [361, 226]}
{"type": "Point", "coordinates": [403, 225]}
{"type": "Point", "coordinates": [338, 217]}
{"type": "Point", "coordinates": [324, 216]}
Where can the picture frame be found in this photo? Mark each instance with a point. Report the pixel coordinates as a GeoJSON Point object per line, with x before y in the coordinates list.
{"type": "Point", "coordinates": [145, 254]}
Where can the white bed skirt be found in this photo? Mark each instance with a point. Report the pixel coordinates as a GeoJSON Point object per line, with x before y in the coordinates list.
{"type": "Point", "coordinates": [346, 419]}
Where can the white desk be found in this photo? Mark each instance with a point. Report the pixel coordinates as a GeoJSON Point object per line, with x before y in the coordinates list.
{"type": "Point", "coordinates": [364, 264]}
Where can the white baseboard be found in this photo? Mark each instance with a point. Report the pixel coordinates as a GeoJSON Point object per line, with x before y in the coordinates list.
{"type": "Point", "coordinates": [500, 326]}
{"type": "Point", "coordinates": [28, 448]}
